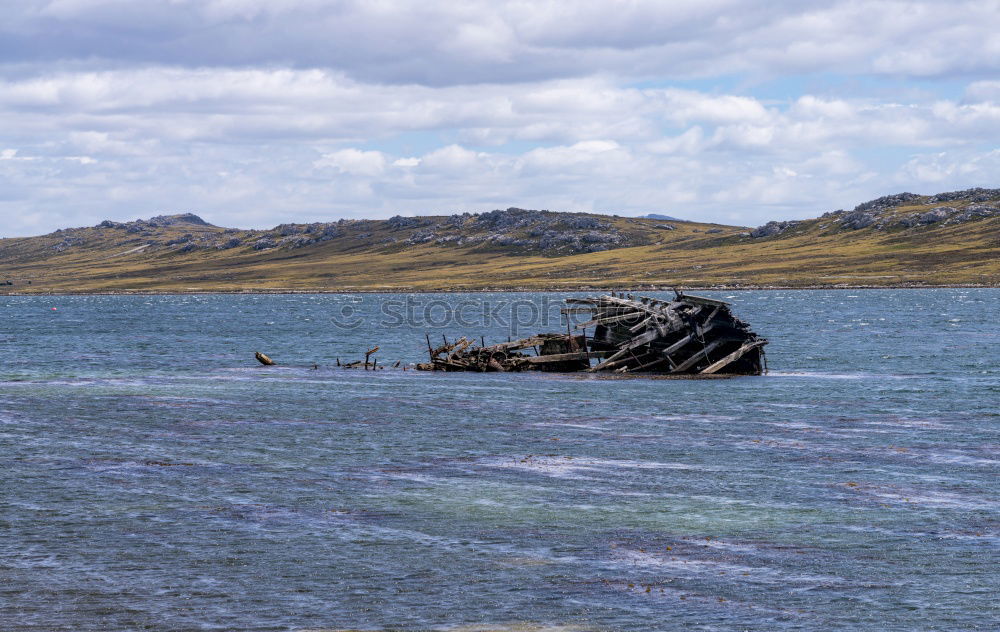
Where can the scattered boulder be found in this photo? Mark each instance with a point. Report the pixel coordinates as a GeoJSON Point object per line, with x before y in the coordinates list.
{"type": "Point", "coordinates": [948, 215]}
{"type": "Point", "coordinates": [937, 214]}
{"type": "Point", "coordinates": [887, 201]}
{"type": "Point", "coordinates": [422, 237]}
{"type": "Point", "coordinates": [181, 240]}
{"type": "Point", "coordinates": [594, 237]}
{"type": "Point", "coordinates": [583, 222]}
{"type": "Point", "coordinates": [508, 219]}
{"type": "Point", "coordinates": [771, 229]}
{"type": "Point", "coordinates": [856, 220]}
{"type": "Point", "coordinates": [972, 195]}
{"type": "Point", "coordinates": [399, 222]}
{"type": "Point", "coordinates": [180, 218]}
{"type": "Point", "coordinates": [67, 242]}
{"type": "Point", "coordinates": [975, 211]}
{"type": "Point", "coordinates": [296, 241]}
{"type": "Point", "coordinates": [324, 232]}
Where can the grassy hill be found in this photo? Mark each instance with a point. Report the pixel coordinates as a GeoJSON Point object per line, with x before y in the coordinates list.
{"type": "Point", "coordinates": [945, 239]}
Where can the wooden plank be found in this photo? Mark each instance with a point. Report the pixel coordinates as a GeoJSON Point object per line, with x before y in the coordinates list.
{"type": "Point", "coordinates": [634, 304]}
{"type": "Point", "coordinates": [712, 315]}
{"type": "Point", "coordinates": [611, 358]}
{"type": "Point", "coordinates": [562, 357]}
{"type": "Point", "coordinates": [609, 319]}
{"type": "Point", "coordinates": [702, 300]}
{"type": "Point", "coordinates": [688, 338]}
{"type": "Point", "coordinates": [524, 343]}
{"type": "Point", "coordinates": [461, 345]}
{"type": "Point", "coordinates": [623, 361]}
{"type": "Point", "coordinates": [732, 357]}
{"type": "Point", "coordinates": [661, 330]}
{"type": "Point", "coordinates": [696, 356]}
{"type": "Point", "coordinates": [661, 360]}
{"type": "Point", "coordinates": [641, 325]}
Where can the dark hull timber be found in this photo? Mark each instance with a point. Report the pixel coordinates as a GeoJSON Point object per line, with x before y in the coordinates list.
{"type": "Point", "coordinates": [688, 335]}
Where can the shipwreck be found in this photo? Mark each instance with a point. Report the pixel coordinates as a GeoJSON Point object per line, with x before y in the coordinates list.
{"type": "Point", "coordinates": [687, 335]}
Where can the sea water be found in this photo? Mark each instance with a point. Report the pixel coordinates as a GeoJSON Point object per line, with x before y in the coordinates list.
{"type": "Point", "coordinates": [153, 476]}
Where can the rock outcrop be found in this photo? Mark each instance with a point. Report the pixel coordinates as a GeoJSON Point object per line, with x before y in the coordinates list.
{"type": "Point", "coordinates": [514, 229]}
{"type": "Point", "coordinates": [771, 229]}
{"type": "Point", "coordinates": [885, 213]}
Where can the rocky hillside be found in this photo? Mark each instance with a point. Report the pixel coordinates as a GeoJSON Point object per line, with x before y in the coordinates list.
{"type": "Point", "coordinates": [902, 211]}
{"type": "Point", "coordinates": [511, 230]}
{"type": "Point", "coordinates": [902, 239]}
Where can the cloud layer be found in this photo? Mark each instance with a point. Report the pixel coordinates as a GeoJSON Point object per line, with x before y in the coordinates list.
{"type": "Point", "coordinates": [255, 113]}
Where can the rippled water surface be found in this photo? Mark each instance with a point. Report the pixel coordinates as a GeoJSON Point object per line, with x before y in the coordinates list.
{"type": "Point", "coordinates": [154, 477]}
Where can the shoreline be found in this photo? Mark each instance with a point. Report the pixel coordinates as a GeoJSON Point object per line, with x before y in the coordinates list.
{"type": "Point", "coordinates": [506, 290]}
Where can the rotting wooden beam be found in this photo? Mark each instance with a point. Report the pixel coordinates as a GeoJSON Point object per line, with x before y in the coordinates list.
{"type": "Point", "coordinates": [642, 325]}
{"type": "Point", "coordinates": [623, 362]}
{"type": "Point", "coordinates": [514, 345]}
{"type": "Point", "coordinates": [733, 357]}
{"type": "Point", "coordinates": [698, 355]}
{"type": "Point", "coordinates": [562, 357]}
{"type": "Point", "coordinates": [704, 300]}
{"type": "Point", "coordinates": [658, 361]}
{"type": "Point", "coordinates": [607, 320]}
{"type": "Point", "coordinates": [602, 365]}
{"type": "Point", "coordinates": [460, 345]}
{"type": "Point", "coordinates": [263, 359]}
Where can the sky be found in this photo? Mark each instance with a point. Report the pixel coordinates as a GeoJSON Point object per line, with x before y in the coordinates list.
{"type": "Point", "coordinates": [252, 113]}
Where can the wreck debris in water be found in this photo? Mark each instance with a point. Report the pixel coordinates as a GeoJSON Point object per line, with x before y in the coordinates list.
{"type": "Point", "coordinates": [689, 335]}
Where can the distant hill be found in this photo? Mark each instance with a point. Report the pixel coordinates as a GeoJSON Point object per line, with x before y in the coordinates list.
{"type": "Point", "coordinates": [898, 240]}
{"type": "Point", "coordinates": [661, 217]}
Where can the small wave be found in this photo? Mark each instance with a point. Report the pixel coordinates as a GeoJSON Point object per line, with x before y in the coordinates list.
{"type": "Point", "coordinates": [546, 424]}
{"type": "Point", "coordinates": [694, 418]}
{"type": "Point", "coordinates": [486, 627]}
{"type": "Point", "coordinates": [926, 498]}
{"type": "Point", "coordinates": [698, 566]}
{"type": "Point", "coordinates": [838, 376]}
{"type": "Point", "coordinates": [921, 424]}
{"type": "Point", "coordinates": [959, 459]}
{"type": "Point", "coordinates": [576, 467]}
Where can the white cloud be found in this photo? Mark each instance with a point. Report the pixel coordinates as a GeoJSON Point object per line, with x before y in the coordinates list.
{"type": "Point", "coordinates": [452, 159]}
{"type": "Point", "coordinates": [684, 106]}
{"type": "Point", "coordinates": [983, 91]}
{"type": "Point", "coordinates": [287, 144]}
{"type": "Point", "coordinates": [257, 112]}
{"type": "Point", "coordinates": [591, 157]}
{"type": "Point", "coordinates": [446, 43]}
{"type": "Point", "coordinates": [933, 169]}
{"type": "Point", "coordinates": [354, 162]}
